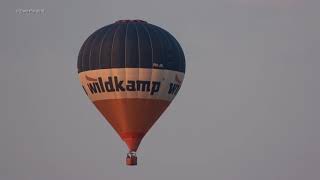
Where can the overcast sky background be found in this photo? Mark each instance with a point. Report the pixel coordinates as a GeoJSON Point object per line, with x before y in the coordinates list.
{"type": "Point", "coordinates": [249, 108]}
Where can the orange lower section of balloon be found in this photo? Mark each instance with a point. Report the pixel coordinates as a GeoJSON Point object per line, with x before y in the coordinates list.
{"type": "Point", "coordinates": [131, 118]}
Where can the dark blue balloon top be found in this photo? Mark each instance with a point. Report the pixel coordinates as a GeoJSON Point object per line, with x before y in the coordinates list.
{"type": "Point", "coordinates": [131, 44]}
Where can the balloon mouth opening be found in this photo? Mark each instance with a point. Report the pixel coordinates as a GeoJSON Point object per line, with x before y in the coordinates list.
{"type": "Point", "coordinates": [132, 140]}
{"type": "Point", "coordinates": [129, 20]}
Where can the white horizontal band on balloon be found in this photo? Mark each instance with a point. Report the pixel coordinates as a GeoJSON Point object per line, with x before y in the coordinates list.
{"type": "Point", "coordinates": [140, 83]}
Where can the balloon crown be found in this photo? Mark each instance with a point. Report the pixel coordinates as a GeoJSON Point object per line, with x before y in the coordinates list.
{"type": "Point", "coordinates": [128, 20]}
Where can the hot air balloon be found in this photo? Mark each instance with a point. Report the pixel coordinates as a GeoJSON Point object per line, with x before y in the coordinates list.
{"type": "Point", "coordinates": [131, 70]}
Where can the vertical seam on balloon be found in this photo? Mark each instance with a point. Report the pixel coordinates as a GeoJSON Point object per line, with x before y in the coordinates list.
{"type": "Point", "coordinates": [154, 30]}
{"type": "Point", "coordinates": [114, 35]}
{"type": "Point", "coordinates": [84, 49]}
{"type": "Point", "coordinates": [165, 45]}
{"type": "Point", "coordinates": [175, 43]}
{"type": "Point", "coordinates": [100, 49]}
{"type": "Point", "coordinates": [92, 44]}
{"type": "Point", "coordinates": [170, 39]}
{"type": "Point", "coordinates": [111, 69]}
{"type": "Point", "coordinates": [125, 47]}
{"type": "Point", "coordinates": [150, 77]}
{"type": "Point", "coordinates": [150, 43]}
{"type": "Point", "coordinates": [125, 57]}
{"type": "Point", "coordinates": [138, 39]}
{"type": "Point", "coordinates": [166, 42]}
{"type": "Point", "coordinates": [161, 44]}
{"type": "Point", "coordinates": [183, 61]}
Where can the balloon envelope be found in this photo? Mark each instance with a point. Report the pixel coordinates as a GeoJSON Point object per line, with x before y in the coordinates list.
{"type": "Point", "coordinates": [131, 70]}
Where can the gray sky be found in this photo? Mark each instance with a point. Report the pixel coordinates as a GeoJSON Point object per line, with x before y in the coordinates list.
{"type": "Point", "coordinates": [249, 107]}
